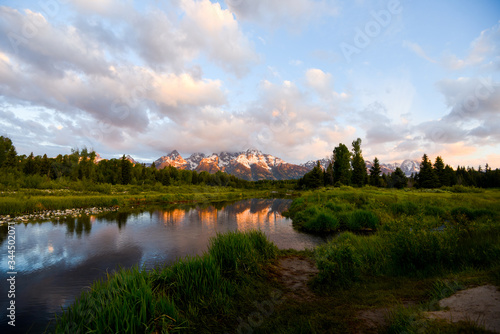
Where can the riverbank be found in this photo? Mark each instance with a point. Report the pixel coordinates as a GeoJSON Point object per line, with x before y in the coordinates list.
{"type": "Point", "coordinates": [244, 285]}
{"type": "Point", "coordinates": [33, 201]}
{"type": "Point", "coordinates": [427, 246]}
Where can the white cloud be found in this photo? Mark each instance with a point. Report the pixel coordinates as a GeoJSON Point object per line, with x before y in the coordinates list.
{"type": "Point", "coordinates": [218, 33]}
{"type": "Point", "coordinates": [483, 51]}
{"type": "Point", "coordinates": [293, 13]}
{"type": "Point", "coordinates": [418, 50]}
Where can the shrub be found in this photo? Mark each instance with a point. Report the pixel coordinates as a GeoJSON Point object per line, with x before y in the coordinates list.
{"type": "Point", "coordinates": [434, 211]}
{"type": "Point", "coordinates": [405, 208]}
{"type": "Point", "coordinates": [322, 222]}
{"type": "Point", "coordinates": [414, 250]}
{"type": "Point", "coordinates": [362, 219]}
{"type": "Point", "coordinates": [338, 264]}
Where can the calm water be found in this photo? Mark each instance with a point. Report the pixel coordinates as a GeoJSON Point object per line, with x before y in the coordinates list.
{"type": "Point", "coordinates": [56, 261]}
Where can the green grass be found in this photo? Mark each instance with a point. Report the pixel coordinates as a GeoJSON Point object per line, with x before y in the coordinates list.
{"type": "Point", "coordinates": [427, 245]}
{"type": "Point", "coordinates": [199, 294]}
{"type": "Point", "coordinates": [31, 200]}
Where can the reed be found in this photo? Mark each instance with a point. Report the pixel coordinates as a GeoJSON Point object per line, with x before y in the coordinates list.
{"type": "Point", "coordinates": [197, 294]}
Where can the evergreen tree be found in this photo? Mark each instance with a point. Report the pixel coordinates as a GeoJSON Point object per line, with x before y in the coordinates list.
{"type": "Point", "coordinates": [30, 166]}
{"type": "Point", "coordinates": [126, 170]}
{"type": "Point", "coordinates": [439, 170]}
{"type": "Point", "coordinates": [375, 172]}
{"type": "Point", "coordinates": [45, 166]}
{"type": "Point", "coordinates": [449, 177]}
{"type": "Point", "coordinates": [426, 177]}
{"type": "Point", "coordinates": [5, 147]}
{"type": "Point", "coordinates": [359, 174]}
{"type": "Point", "coordinates": [314, 178]}
{"type": "Point", "coordinates": [341, 165]}
{"type": "Point", "coordinates": [11, 158]}
{"type": "Point", "coordinates": [328, 175]}
{"type": "Point", "coordinates": [398, 179]}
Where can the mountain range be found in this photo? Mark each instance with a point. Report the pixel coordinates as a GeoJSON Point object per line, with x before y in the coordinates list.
{"type": "Point", "coordinates": [254, 165]}
{"type": "Point", "coordinates": [249, 165]}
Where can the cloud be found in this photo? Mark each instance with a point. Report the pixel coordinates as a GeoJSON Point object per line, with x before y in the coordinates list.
{"type": "Point", "coordinates": [471, 99]}
{"type": "Point", "coordinates": [322, 84]}
{"type": "Point", "coordinates": [218, 33]}
{"type": "Point", "coordinates": [320, 81]}
{"type": "Point", "coordinates": [483, 50]}
{"type": "Point", "coordinates": [418, 50]}
{"type": "Point", "coordinates": [293, 13]}
{"type": "Point", "coordinates": [473, 117]}
{"type": "Point", "coordinates": [40, 46]}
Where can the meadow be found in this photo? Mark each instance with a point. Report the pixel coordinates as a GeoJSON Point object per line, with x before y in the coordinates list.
{"type": "Point", "coordinates": [400, 250]}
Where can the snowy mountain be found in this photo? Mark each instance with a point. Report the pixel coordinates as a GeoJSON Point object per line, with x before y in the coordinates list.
{"type": "Point", "coordinates": [249, 165]}
{"type": "Point", "coordinates": [129, 158]}
{"type": "Point", "coordinates": [254, 165]}
{"type": "Point", "coordinates": [407, 166]}
{"type": "Point", "coordinates": [173, 159]}
{"type": "Point", "coordinates": [312, 163]}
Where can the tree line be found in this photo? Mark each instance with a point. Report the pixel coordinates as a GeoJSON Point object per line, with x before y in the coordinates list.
{"type": "Point", "coordinates": [349, 168]}
{"type": "Point", "coordinates": [31, 171]}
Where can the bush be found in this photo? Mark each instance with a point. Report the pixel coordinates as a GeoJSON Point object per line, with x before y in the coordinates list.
{"type": "Point", "coordinates": [33, 181]}
{"type": "Point", "coordinates": [338, 264]}
{"type": "Point", "coordinates": [413, 250]}
{"type": "Point", "coordinates": [405, 208]}
{"type": "Point", "coordinates": [360, 219]}
{"type": "Point", "coordinates": [434, 211]}
{"type": "Point", "coordinates": [322, 222]}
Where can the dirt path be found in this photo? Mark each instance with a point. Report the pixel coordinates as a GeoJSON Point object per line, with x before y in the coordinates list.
{"type": "Point", "coordinates": [294, 273]}
{"type": "Point", "coordinates": [480, 304]}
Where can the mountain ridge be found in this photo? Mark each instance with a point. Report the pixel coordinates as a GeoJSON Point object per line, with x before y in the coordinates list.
{"type": "Point", "coordinates": [253, 165]}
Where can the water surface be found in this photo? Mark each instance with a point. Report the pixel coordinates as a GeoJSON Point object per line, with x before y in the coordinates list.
{"type": "Point", "coordinates": [55, 261]}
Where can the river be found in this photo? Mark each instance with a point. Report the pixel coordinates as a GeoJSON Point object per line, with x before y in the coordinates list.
{"type": "Point", "coordinates": [56, 260]}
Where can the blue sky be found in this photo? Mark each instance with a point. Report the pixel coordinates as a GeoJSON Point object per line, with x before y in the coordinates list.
{"type": "Point", "coordinates": [292, 78]}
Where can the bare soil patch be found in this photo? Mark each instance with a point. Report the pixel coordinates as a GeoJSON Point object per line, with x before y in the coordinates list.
{"type": "Point", "coordinates": [294, 273]}
{"type": "Point", "coordinates": [480, 304]}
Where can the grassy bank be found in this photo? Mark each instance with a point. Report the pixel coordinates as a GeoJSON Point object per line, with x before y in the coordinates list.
{"type": "Point", "coordinates": [423, 238]}
{"type": "Point", "coordinates": [31, 200]}
{"type": "Point", "coordinates": [355, 209]}
{"type": "Point", "coordinates": [203, 294]}
{"type": "Point", "coordinates": [425, 246]}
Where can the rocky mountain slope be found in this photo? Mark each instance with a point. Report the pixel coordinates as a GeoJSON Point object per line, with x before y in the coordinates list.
{"type": "Point", "coordinates": [254, 165]}
{"type": "Point", "coordinates": [249, 165]}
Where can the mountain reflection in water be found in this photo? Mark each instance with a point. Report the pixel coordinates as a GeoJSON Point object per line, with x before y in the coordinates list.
{"type": "Point", "coordinates": [56, 260]}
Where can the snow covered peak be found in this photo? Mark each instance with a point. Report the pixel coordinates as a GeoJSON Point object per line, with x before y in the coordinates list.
{"type": "Point", "coordinates": [194, 160]}
{"type": "Point", "coordinates": [253, 151]}
{"type": "Point", "coordinates": [174, 154]}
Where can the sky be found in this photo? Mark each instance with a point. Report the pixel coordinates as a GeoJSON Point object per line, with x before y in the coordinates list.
{"type": "Point", "coordinates": [290, 78]}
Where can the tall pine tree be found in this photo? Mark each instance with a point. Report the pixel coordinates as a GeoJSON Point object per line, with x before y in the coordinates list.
{"type": "Point", "coordinates": [439, 170]}
{"type": "Point", "coordinates": [375, 171]}
{"type": "Point", "coordinates": [342, 165]}
{"type": "Point", "coordinates": [426, 178]}
{"type": "Point", "coordinates": [359, 174]}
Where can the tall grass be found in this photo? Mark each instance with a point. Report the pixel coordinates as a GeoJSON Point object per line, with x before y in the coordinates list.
{"type": "Point", "coordinates": [122, 303]}
{"type": "Point", "coordinates": [195, 293]}
{"type": "Point", "coordinates": [33, 200]}
{"type": "Point", "coordinates": [408, 247]}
